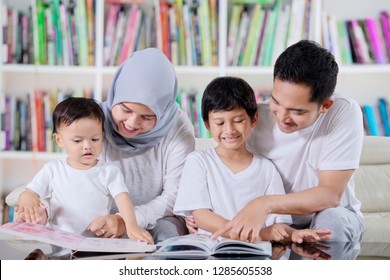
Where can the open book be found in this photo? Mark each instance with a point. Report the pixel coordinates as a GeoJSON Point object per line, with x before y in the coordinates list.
{"type": "Point", "coordinates": [72, 241]}
{"type": "Point", "coordinates": [202, 246]}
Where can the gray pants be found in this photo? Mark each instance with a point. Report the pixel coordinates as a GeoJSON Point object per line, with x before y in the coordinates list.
{"type": "Point", "coordinates": [168, 227]}
{"type": "Point", "coordinates": [345, 224]}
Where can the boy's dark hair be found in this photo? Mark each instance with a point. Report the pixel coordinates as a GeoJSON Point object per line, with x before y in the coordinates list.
{"type": "Point", "coordinates": [75, 108]}
{"type": "Point", "coordinates": [227, 93]}
{"type": "Point", "coordinates": [306, 62]}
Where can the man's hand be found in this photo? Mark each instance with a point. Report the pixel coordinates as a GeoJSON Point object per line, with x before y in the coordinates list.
{"type": "Point", "coordinates": [246, 225]}
{"type": "Point", "coordinates": [108, 226]}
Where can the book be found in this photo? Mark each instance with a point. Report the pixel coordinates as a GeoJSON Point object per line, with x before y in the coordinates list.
{"type": "Point", "coordinates": [200, 246]}
{"type": "Point", "coordinates": [372, 120]}
{"type": "Point", "coordinates": [384, 115]}
{"type": "Point", "coordinates": [73, 241]}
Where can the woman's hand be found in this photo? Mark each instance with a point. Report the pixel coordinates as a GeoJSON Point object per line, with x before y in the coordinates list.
{"type": "Point", "coordinates": [109, 226]}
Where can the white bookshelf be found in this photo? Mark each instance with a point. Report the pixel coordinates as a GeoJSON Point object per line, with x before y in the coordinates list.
{"type": "Point", "coordinates": [363, 82]}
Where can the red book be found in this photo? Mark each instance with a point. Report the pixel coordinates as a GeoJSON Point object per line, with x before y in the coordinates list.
{"type": "Point", "coordinates": [134, 17]}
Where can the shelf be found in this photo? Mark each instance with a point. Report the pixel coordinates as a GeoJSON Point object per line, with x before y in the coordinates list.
{"type": "Point", "coordinates": [45, 69]}
{"type": "Point", "coordinates": [16, 155]}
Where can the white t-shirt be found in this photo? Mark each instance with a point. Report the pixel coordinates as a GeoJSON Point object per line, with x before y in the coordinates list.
{"type": "Point", "coordinates": [152, 177]}
{"type": "Point", "coordinates": [207, 183]}
{"type": "Point", "coordinates": [333, 142]}
{"type": "Point", "coordinates": [76, 197]}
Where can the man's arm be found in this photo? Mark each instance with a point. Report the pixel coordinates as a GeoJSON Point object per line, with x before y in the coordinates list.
{"type": "Point", "coordinates": [246, 225]}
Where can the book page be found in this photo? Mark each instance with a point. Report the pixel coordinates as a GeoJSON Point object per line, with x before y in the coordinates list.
{"type": "Point", "coordinates": [76, 242]}
{"type": "Point", "coordinates": [30, 231]}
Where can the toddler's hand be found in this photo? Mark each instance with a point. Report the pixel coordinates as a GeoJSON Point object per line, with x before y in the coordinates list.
{"type": "Point", "coordinates": [30, 208]}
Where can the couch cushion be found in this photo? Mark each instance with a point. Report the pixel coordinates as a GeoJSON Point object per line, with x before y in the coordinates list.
{"type": "Point", "coordinates": [377, 227]}
{"type": "Point", "coordinates": [373, 187]}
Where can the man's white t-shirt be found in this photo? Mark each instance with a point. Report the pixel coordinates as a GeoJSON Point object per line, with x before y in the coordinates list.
{"type": "Point", "coordinates": [333, 142]}
{"type": "Point", "coordinates": [76, 197]}
{"type": "Point", "coordinates": [207, 183]}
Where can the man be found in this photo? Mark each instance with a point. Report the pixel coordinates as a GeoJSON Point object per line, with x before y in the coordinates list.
{"type": "Point", "coordinates": [314, 137]}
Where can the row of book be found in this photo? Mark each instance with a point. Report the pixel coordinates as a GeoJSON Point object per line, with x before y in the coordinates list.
{"type": "Point", "coordinates": [59, 32]}
{"type": "Point", "coordinates": [376, 118]}
{"type": "Point", "coordinates": [26, 122]}
{"type": "Point", "coordinates": [128, 28]}
{"type": "Point", "coordinates": [258, 33]}
{"type": "Point", "coordinates": [62, 32]}
{"type": "Point", "coordinates": [363, 41]}
{"type": "Point", "coordinates": [185, 30]}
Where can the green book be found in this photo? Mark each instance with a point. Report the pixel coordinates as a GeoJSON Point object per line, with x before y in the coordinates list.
{"type": "Point", "coordinates": [252, 42]}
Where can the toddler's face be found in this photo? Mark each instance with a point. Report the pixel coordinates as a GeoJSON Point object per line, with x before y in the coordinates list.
{"type": "Point", "coordinates": [133, 118]}
{"type": "Point", "coordinates": [82, 140]}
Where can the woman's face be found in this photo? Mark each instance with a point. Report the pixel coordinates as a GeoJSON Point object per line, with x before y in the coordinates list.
{"type": "Point", "coordinates": [133, 118]}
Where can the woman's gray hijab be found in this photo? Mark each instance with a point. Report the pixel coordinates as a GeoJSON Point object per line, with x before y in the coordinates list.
{"type": "Point", "coordinates": [146, 77]}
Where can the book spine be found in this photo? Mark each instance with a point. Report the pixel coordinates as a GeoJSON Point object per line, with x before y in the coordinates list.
{"type": "Point", "coordinates": [372, 121]}
{"type": "Point", "coordinates": [109, 32]}
{"type": "Point", "coordinates": [384, 111]}
{"type": "Point", "coordinates": [91, 31]}
{"type": "Point", "coordinates": [128, 45]}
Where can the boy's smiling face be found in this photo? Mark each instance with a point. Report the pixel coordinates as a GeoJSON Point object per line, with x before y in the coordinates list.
{"type": "Point", "coordinates": [232, 128]}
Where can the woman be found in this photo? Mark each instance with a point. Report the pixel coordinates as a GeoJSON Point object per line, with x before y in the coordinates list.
{"type": "Point", "coordinates": [148, 137]}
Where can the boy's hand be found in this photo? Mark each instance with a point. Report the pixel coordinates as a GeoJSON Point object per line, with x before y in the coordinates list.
{"type": "Point", "coordinates": [135, 232]}
{"type": "Point", "coordinates": [275, 232]}
{"type": "Point", "coordinates": [191, 225]}
{"type": "Point", "coordinates": [30, 208]}
{"type": "Point", "coordinates": [310, 235]}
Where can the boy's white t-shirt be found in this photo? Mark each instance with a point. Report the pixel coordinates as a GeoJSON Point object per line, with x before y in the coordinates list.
{"type": "Point", "coordinates": [77, 197]}
{"type": "Point", "coordinates": [207, 183]}
{"type": "Point", "coordinates": [333, 142]}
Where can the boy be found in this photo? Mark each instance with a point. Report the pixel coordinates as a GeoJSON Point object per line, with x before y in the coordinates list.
{"type": "Point", "coordinates": [216, 183]}
{"type": "Point", "coordinates": [80, 188]}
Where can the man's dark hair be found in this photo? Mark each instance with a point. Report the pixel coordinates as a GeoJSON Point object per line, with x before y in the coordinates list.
{"type": "Point", "coordinates": [306, 62]}
{"type": "Point", "coordinates": [228, 93]}
{"type": "Point", "coordinates": [75, 108]}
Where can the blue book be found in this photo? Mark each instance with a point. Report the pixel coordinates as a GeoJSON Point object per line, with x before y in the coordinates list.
{"type": "Point", "coordinates": [372, 120]}
{"type": "Point", "coordinates": [384, 115]}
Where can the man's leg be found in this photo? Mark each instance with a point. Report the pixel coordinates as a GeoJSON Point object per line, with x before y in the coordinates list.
{"type": "Point", "coordinates": [168, 227]}
{"type": "Point", "coordinates": [346, 225]}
